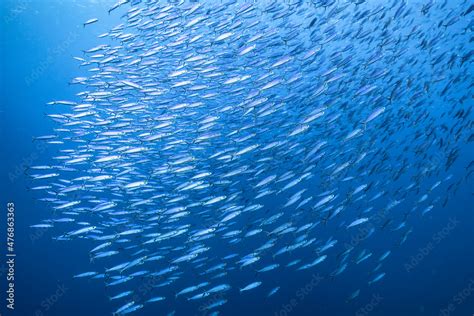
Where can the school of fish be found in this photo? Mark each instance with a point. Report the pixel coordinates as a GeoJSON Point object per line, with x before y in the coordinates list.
{"type": "Point", "coordinates": [215, 144]}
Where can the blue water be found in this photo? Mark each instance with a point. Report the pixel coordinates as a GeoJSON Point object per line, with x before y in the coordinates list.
{"type": "Point", "coordinates": [38, 40]}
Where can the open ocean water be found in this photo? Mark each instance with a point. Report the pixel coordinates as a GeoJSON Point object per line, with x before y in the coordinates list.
{"type": "Point", "coordinates": [237, 157]}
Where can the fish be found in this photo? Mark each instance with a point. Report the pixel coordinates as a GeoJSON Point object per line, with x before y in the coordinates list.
{"type": "Point", "coordinates": [273, 291]}
{"type": "Point", "coordinates": [81, 231]}
{"type": "Point", "coordinates": [358, 222]}
{"type": "Point", "coordinates": [274, 130]}
{"type": "Point", "coordinates": [121, 295]}
{"type": "Point", "coordinates": [377, 278]}
{"type": "Point", "coordinates": [251, 286]}
{"type": "Point", "coordinates": [90, 21]}
{"type": "Point", "coordinates": [155, 299]}
{"type": "Point", "coordinates": [85, 274]}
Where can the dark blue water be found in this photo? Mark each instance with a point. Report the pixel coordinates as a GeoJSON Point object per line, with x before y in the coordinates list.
{"type": "Point", "coordinates": [431, 274]}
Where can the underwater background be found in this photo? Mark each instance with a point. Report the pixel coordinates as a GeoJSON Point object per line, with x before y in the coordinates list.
{"type": "Point", "coordinates": [424, 276]}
